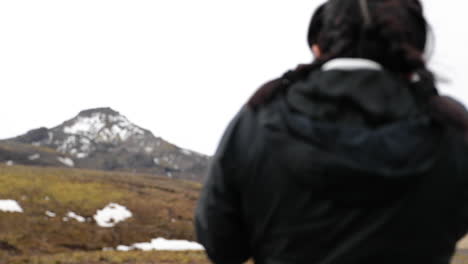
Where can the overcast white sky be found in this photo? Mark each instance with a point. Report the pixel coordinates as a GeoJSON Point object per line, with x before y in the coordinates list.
{"type": "Point", "coordinates": [179, 68]}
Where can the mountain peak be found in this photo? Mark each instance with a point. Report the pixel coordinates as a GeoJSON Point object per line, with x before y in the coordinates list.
{"type": "Point", "coordinates": [102, 125]}
{"type": "Point", "coordinates": [100, 110]}
{"type": "Point", "coordinates": [102, 138]}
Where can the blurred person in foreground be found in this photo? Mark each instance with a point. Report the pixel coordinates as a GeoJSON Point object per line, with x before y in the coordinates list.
{"type": "Point", "coordinates": [354, 158]}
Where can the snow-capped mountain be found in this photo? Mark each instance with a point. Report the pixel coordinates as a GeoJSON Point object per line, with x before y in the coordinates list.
{"type": "Point", "coordinates": [104, 139]}
{"type": "Point", "coordinates": [98, 126]}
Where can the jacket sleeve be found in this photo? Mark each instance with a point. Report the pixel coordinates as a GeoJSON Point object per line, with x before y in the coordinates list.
{"type": "Point", "coordinates": [218, 218]}
{"type": "Point", "coordinates": [450, 111]}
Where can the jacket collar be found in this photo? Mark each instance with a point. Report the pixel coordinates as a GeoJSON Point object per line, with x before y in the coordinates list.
{"type": "Point", "coordinates": [351, 64]}
{"type": "Point", "coordinates": [342, 92]}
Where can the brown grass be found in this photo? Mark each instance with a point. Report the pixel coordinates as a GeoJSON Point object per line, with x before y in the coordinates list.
{"type": "Point", "coordinates": [161, 207]}
{"type": "Point", "coordinates": [159, 257]}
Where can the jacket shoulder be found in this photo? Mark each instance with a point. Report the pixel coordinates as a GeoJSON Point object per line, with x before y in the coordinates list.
{"type": "Point", "coordinates": [238, 143]}
{"type": "Point", "coordinates": [449, 111]}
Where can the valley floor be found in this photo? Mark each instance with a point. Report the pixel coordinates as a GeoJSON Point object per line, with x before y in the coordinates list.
{"type": "Point", "coordinates": [114, 257]}
{"type": "Point", "coordinates": [138, 257]}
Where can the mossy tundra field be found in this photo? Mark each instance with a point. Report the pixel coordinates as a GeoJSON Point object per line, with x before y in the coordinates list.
{"type": "Point", "coordinates": [44, 233]}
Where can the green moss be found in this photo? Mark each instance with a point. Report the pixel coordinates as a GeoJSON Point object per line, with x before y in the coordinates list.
{"type": "Point", "coordinates": [88, 196]}
{"type": "Point", "coordinates": [43, 185]}
{"type": "Point", "coordinates": [160, 207]}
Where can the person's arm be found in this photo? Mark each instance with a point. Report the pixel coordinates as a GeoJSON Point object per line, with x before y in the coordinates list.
{"type": "Point", "coordinates": [450, 111]}
{"type": "Point", "coordinates": [218, 218]}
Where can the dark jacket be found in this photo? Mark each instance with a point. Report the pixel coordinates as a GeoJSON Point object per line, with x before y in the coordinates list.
{"type": "Point", "coordinates": [342, 167]}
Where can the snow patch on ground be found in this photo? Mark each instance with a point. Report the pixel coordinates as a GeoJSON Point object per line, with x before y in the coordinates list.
{"type": "Point", "coordinates": [10, 206]}
{"type": "Point", "coordinates": [123, 248]}
{"type": "Point", "coordinates": [50, 214]}
{"type": "Point", "coordinates": [78, 218]}
{"type": "Point", "coordinates": [81, 155]}
{"type": "Point", "coordinates": [66, 161]}
{"type": "Point", "coordinates": [111, 215]}
{"type": "Point", "coordinates": [10, 163]}
{"type": "Point", "coordinates": [163, 244]}
{"type": "Point", "coordinates": [34, 156]}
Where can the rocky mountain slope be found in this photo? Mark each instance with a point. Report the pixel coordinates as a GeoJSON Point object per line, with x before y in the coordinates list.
{"type": "Point", "coordinates": [106, 140]}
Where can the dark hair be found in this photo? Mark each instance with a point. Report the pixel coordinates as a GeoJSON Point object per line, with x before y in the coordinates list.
{"type": "Point", "coordinates": [393, 33]}
{"type": "Point", "coordinates": [315, 26]}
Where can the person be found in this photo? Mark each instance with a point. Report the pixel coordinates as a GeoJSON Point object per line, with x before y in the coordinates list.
{"type": "Point", "coordinates": [354, 158]}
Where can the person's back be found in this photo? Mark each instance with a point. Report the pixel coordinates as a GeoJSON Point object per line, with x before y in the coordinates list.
{"type": "Point", "coordinates": [347, 160]}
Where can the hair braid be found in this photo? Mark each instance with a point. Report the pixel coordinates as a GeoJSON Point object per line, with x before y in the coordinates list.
{"type": "Point", "coordinates": [390, 32]}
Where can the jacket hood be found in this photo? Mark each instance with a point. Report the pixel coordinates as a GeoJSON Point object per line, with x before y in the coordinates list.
{"type": "Point", "coordinates": [361, 94]}
{"type": "Point", "coordinates": [366, 131]}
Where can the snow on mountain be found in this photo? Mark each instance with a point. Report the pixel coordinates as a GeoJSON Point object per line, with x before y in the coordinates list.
{"type": "Point", "coordinates": [34, 156]}
{"type": "Point", "coordinates": [66, 161]}
{"type": "Point", "coordinates": [95, 126]}
{"type": "Point", "coordinates": [103, 128]}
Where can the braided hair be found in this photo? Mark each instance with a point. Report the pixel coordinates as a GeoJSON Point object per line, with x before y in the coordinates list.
{"type": "Point", "coordinates": [391, 32]}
